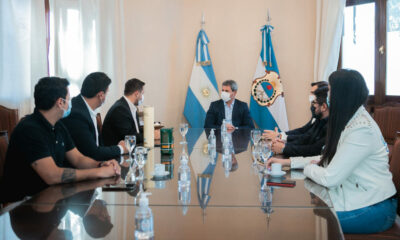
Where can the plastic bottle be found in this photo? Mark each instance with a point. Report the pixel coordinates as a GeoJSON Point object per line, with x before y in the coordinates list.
{"type": "Point", "coordinates": [212, 140]}
{"type": "Point", "coordinates": [183, 176]}
{"type": "Point", "coordinates": [223, 126]}
{"type": "Point", "coordinates": [144, 219]}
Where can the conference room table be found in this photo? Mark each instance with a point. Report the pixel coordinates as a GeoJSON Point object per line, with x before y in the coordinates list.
{"type": "Point", "coordinates": [221, 203]}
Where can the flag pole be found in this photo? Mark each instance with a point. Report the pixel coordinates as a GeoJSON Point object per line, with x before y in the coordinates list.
{"type": "Point", "coordinates": [203, 22]}
{"type": "Point", "coordinates": [268, 18]}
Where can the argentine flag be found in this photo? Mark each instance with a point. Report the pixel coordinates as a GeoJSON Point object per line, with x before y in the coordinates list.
{"type": "Point", "coordinates": [271, 92]}
{"type": "Point", "coordinates": [203, 170]}
{"type": "Point", "coordinates": [203, 88]}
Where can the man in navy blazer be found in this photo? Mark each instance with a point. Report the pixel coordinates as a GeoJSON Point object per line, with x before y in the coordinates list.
{"type": "Point", "coordinates": [82, 124]}
{"type": "Point", "coordinates": [235, 112]}
{"type": "Point", "coordinates": [122, 119]}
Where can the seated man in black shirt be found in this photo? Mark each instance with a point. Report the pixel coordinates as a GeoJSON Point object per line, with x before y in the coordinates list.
{"type": "Point", "coordinates": [122, 119]}
{"type": "Point", "coordinates": [293, 134]}
{"type": "Point", "coordinates": [40, 147]}
{"type": "Point", "coordinates": [312, 141]}
{"type": "Point", "coordinates": [82, 123]}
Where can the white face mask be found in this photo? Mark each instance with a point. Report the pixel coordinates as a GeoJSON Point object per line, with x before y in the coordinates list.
{"type": "Point", "coordinates": [140, 102]}
{"type": "Point", "coordinates": [225, 96]}
{"type": "Point", "coordinates": [311, 98]}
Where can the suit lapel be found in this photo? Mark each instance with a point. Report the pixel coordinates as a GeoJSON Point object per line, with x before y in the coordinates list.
{"type": "Point", "coordinates": [235, 112]}
{"type": "Point", "coordinates": [222, 107]}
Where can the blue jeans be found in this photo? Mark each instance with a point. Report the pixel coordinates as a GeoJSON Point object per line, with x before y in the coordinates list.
{"type": "Point", "coordinates": [372, 219]}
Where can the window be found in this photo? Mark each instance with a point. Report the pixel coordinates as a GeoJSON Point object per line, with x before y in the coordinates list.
{"type": "Point", "coordinates": [72, 42]}
{"type": "Point", "coordinates": [371, 45]}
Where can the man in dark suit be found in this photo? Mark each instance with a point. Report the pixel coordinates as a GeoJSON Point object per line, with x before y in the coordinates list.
{"type": "Point", "coordinates": [122, 119]}
{"type": "Point", "coordinates": [296, 133]}
{"type": "Point", "coordinates": [312, 141]}
{"type": "Point", "coordinates": [82, 123]}
{"type": "Point", "coordinates": [235, 112]}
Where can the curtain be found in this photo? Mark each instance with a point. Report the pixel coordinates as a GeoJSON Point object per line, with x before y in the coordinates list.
{"type": "Point", "coordinates": [87, 36]}
{"type": "Point", "coordinates": [23, 55]}
{"type": "Point", "coordinates": [329, 27]}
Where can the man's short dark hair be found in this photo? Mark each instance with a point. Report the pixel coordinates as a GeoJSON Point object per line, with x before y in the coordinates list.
{"type": "Point", "coordinates": [133, 85]}
{"type": "Point", "coordinates": [232, 84]}
{"type": "Point", "coordinates": [320, 84]}
{"type": "Point", "coordinates": [95, 83]}
{"type": "Point", "coordinates": [321, 93]}
{"type": "Point", "coordinates": [48, 90]}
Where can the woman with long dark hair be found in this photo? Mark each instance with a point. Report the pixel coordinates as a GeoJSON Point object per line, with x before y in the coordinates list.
{"type": "Point", "coordinates": [354, 164]}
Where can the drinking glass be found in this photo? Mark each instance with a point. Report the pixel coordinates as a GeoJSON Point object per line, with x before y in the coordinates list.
{"type": "Point", "coordinates": [130, 143]}
{"type": "Point", "coordinates": [140, 153]}
{"type": "Point", "coordinates": [255, 135]}
{"type": "Point", "coordinates": [266, 151]}
{"type": "Point", "coordinates": [183, 128]}
{"type": "Point", "coordinates": [140, 156]}
{"type": "Point", "coordinates": [256, 151]}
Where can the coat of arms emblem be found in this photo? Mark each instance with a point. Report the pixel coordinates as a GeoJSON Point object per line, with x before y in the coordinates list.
{"type": "Point", "coordinates": [266, 89]}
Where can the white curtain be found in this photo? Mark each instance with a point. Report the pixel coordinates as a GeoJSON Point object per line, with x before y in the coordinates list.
{"type": "Point", "coordinates": [87, 36]}
{"type": "Point", "coordinates": [22, 52]}
{"type": "Point", "coordinates": [329, 27]}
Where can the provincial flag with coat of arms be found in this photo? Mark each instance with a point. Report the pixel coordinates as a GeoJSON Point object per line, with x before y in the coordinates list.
{"type": "Point", "coordinates": [267, 103]}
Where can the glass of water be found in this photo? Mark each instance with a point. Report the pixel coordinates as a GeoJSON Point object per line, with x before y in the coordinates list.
{"type": "Point", "coordinates": [183, 128]}
{"type": "Point", "coordinates": [130, 143]}
{"type": "Point", "coordinates": [255, 136]}
{"type": "Point", "coordinates": [266, 151]}
{"type": "Point", "coordinates": [140, 155]}
{"type": "Point", "coordinates": [256, 151]}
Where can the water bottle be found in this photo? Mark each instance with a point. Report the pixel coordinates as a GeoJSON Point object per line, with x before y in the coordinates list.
{"type": "Point", "coordinates": [183, 177]}
{"type": "Point", "coordinates": [223, 126]}
{"type": "Point", "coordinates": [212, 140]}
{"type": "Point", "coordinates": [144, 219]}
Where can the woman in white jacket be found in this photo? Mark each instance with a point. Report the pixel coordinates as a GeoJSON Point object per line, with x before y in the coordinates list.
{"type": "Point", "coordinates": [354, 164]}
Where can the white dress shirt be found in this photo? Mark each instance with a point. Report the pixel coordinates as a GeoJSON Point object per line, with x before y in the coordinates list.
{"type": "Point", "coordinates": [228, 111]}
{"type": "Point", "coordinates": [133, 109]}
{"type": "Point", "coordinates": [358, 175]}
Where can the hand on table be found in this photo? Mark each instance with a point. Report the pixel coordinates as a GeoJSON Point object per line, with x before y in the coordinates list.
{"type": "Point", "coordinates": [114, 164]}
{"type": "Point", "coordinates": [277, 146]}
{"type": "Point", "coordinates": [284, 162]}
{"type": "Point", "coordinates": [122, 144]}
{"type": "Point", "coordinates": [230, 126]}
{"type": "Point", "coordinates": [269, 134]}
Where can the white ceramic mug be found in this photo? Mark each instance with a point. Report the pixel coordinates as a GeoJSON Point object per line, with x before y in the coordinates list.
{"type": "Point", "coordinates": [276, 168]}
{"type": "Point", "coordinates": [159, 169]}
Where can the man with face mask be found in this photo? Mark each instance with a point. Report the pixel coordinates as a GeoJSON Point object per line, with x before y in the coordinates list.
{"type": "Point", "coordinates": [82, 122]}
{"type": "Point", "coordinates": [295, 133]}
{"type": "Point", "coordinates": [41, 149]}
{"type": "Point", "coordinates": [312, 141]}
{"type": "Point", "coordinates": [122, 119]}
{"type": "Point", "coordinates": [235, 112]}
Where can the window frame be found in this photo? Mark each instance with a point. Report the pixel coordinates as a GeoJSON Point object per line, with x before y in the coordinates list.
{"type": "Point", "coordinates": [380, 97]}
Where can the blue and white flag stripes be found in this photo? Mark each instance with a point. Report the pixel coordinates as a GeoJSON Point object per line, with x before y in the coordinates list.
{"type": "Point", "coordinates": [203, 170]}
{"type": "Point", "coordinates": [271, 115]}
{"type": "Point", "coordinates": [203, 88]}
